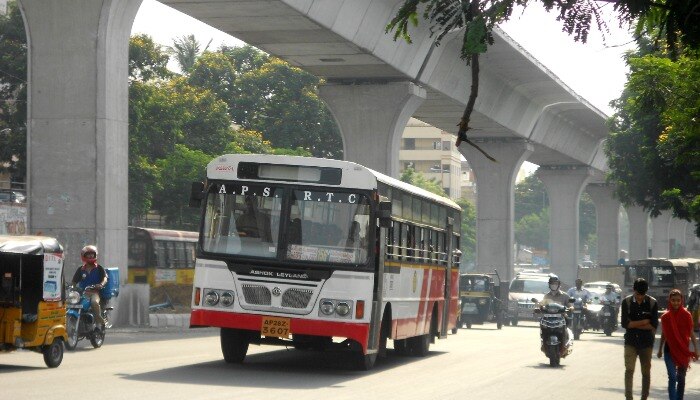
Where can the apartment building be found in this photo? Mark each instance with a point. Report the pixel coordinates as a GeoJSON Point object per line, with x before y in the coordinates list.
{"type": "Point", "coordinates": [432, 152]}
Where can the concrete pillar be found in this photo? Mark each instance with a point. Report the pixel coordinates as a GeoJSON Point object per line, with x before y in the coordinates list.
{"type": "Point", "coordinates": [78, 111]}
{"type": "Point", "coordinates": [371, 118]}
{"type": "Point", "coordinates": [639, 227]}
{"type": "Point", "coordinates": [607, 222]}
{"type": "Point", "coordinates": [659, 236]}
{"type": "Point", "coordinates": [692, 242]}
{"type": "Point", "coordinates": [676, 231]}
{"type": "Point", "coordinates": [495, 197]}
{"type": "Point", "coordinates": [564, 185]}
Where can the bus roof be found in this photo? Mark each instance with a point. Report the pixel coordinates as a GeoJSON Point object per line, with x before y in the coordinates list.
{"type": "Point", "coordinates": [666, 262]}
{"type": "Point", "coordinates": [169, 234]}
{"type": "Point", "coordinates": [354, 175]}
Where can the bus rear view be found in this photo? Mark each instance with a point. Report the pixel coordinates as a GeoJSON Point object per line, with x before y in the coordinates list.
{"type": "Point", "coordinates": [290, 253]}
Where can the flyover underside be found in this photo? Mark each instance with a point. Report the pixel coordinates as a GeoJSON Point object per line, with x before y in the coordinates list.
{"type": "Point", "coordinates": [344, 41]}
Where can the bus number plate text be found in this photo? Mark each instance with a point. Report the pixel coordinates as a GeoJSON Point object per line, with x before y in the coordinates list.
{"type": "Point", "coordinates": [274, 326]}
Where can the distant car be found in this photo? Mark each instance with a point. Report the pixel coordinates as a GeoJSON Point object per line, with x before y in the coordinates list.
{"type": "Point", "coordinates": [599, 287]}
{"type": "Point", "coordinates": [522, 290]}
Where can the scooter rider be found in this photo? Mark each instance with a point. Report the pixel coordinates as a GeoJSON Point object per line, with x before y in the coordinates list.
{"type": "Point", "coordinates": [555, 295]}
{"type": "Point", "coordinates": [91, 274]}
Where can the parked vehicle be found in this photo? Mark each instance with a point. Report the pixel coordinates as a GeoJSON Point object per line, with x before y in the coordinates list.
{"type": "Point", "coordinates": [80, 319]}
{"type": "Point", "coordinates": [480, 296]}
{"type": "Point", "coordinates": [32, 313]}
{"type": "Point", "coordinates": [556, 338]}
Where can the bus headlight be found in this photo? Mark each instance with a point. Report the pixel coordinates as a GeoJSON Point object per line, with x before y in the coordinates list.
{"type": "Point", "coordinates": [226, 299]}
{"type": "Point", "coordinates": [343, 308]}
{"type": "Point", "coordinates": [327, 307]}
{"type": "Point", "coordinates": [211, 298]}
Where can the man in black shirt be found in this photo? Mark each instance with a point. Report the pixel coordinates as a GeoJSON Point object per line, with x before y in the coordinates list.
{"type": "Point", "coordinates": [640, 317]}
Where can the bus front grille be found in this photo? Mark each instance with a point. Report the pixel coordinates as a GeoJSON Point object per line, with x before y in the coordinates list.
{"type": "Point", "coordinates": [256, 294]}
{"type": "Point", "coordinates": [296, 298]}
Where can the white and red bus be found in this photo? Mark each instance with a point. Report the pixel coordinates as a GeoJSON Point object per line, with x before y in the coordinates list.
{"type": "Point", "coordinates": [319, 253]}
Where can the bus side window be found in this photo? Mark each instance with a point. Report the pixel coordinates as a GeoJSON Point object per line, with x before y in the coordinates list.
{"type": "Point", "coordinates": [295, 231]}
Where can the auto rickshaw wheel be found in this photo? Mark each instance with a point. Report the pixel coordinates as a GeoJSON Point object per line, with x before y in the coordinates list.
{"type": "Point", "coordinates": [53, 353]}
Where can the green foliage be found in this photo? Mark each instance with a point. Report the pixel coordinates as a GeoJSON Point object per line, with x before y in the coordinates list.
{"type": "Point", "coordinates": [281, 102]}
{"type": "Point", "coordinates": [530, 197]}
{"type": "Point", "coordinates": [147, 60]}
{"type": "Point", "coordinates": [144, 178]}
{"type": "Point", "coordinates": [186, 50]}
{"type": "Point", "coordinates": [533, 230]}
{"type": "Point", "coordinates": [467, 242]}
{"type": "Point", "coordinates": [415, 178]}
{"type": "Point", "coordinates": [13, 93]}
{"type": "Point", "coordinates": [246, 58]}
{"type": "Point", "coordinates": [177, 170]}
{"type": "Point", "coordinates": [654, 148]}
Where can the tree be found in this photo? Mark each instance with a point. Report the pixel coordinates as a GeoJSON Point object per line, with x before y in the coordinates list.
{"type": "Point", "coordinates": [530, 197]}
{"type": "Point", "coordinates": [677, 20]}
{"type": "Point", "coordinates": [186, 49]}
{"type": "Point", "coordinates": [13, 93]}
{"type": "Point", "coordinates": [654, 148]}
{"type": "Point", "coordinates": [532, 230]}
{"type": "Point", "coordinates": [280, 101]}
{"type": "Point", "coordinates": [147, 60]}
{"type": "Point", "coordinates": [177, 171]}
{"type": "Point", "coordinates": [415, 178]}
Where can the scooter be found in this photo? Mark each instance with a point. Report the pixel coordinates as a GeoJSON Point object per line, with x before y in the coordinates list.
{"type": "Point", "coordinates": [556, 337]}
{"type": "Point", "coordinates": [80, 320]}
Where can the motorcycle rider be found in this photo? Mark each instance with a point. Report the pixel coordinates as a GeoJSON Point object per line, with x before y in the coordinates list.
{"type": "Point", "coordinates": [611, 297]}
{"type": "Point", "coordinates": [91, 274]}
{"type": "Point", "coordinates": [579, 291]}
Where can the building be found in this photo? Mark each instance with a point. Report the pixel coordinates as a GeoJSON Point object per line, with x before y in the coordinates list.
{"type": "Point", "coordinates": [432, 152]}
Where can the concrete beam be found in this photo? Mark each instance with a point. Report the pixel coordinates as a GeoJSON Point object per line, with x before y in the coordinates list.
{"type": "Point", "coordinates": [78, 111]}
{"type": "Point", "coordinates": [639, 232]}
{"type": "Point", "coordinates": [564, 185]}
{"type": "Point", "coordinates": [371, 118]}
{"type": "Point", "coordinates": [495, 197]}
{"type": "Point", "coordinates": [607, 222]}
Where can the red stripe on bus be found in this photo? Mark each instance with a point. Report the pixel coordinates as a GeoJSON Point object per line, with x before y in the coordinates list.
{"type": "Point", "coordinates": [355, 331]}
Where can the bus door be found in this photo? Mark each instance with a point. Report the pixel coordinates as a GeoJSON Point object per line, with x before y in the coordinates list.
{"type": "Point", "coordinates": [448, 279]}
{"type": "Point", "coordinates": [384, 216]}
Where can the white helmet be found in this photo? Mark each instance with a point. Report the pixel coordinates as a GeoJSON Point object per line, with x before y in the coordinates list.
{"type": "Point", "coordinates": [87, 250]}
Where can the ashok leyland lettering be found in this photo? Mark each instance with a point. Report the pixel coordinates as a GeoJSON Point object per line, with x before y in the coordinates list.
{"type": "Point", "coordinates": [320, 254]}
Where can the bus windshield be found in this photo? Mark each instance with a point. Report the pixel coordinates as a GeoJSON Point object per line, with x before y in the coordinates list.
{"type": "Point", "coordinates": [320, 226]}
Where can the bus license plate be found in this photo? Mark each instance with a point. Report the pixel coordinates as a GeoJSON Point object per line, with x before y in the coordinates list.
{"type": "Point", "coordinates": [274, 326]}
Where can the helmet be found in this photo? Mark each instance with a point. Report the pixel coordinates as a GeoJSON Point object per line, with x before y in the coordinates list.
{"type": "Point", "coordinates": [609, 286]}
{"type": "Point", "coordinates": [554, 283]}
{"type": "Point", "coordinates": [86, 250]}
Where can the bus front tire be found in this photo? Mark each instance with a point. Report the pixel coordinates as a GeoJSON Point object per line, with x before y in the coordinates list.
{"type": "Point", "coordinates": [234, 345]}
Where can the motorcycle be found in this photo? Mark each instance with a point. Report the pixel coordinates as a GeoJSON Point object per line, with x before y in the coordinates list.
{"type": "Point", "coordinates": [556, 337]}
{"type": "Point", "coordinates": [579, 318]}
{"type": "Point", "coordinates": [80, 319]}
{"type": "Point", "coordinates": [608, 317]}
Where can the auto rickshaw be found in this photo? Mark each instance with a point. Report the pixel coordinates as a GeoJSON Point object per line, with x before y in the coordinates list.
{"type": "Point", "coordinates": [480, 299]}
{"type": "Point", "coordinates": [32, 310]}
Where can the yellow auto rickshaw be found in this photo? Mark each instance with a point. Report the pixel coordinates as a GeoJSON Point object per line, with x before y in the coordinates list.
{"type": "Point", "coordinates": [32, 309]}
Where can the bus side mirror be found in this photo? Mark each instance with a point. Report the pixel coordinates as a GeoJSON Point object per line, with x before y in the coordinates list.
{"type": "Point", "coordinates": [384, 213]}
{"type": "Point", "coordinates": [196, 194]}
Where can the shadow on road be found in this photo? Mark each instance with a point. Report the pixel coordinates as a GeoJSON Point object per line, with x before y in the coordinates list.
{"type": "Point", "coordinates": [282, 369]}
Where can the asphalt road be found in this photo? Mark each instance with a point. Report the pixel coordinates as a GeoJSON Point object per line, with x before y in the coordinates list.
{"type": "Point", "coordinates": [477, 363]}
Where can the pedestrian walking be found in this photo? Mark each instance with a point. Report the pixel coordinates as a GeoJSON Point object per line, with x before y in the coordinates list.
{"type": "Point", "coordinates": [676, 333]}
{"type": "Point", "coordinates": [640, 317]}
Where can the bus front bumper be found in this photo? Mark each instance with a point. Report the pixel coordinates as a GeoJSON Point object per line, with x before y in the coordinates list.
{"type": "Point", "coordinates": [358, 332]}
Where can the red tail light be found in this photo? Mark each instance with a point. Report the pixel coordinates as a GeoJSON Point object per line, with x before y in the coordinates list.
{"type": "Point", "coordinates": [197, 296]}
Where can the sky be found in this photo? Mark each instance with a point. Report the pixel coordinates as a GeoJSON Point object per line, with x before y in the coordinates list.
{"type": "Point", "coordinates": [595, 70]}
